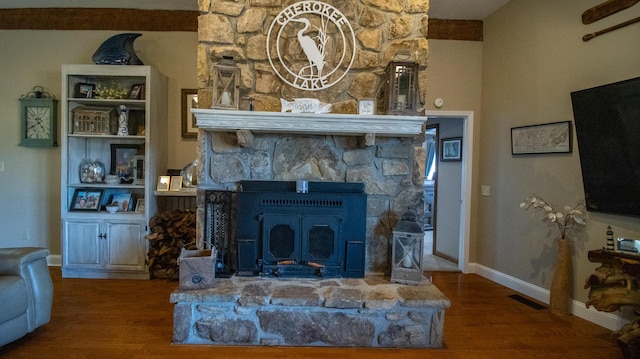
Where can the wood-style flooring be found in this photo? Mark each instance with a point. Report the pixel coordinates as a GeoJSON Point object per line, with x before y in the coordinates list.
{"type": "Point", "coordinates": [133, 319]}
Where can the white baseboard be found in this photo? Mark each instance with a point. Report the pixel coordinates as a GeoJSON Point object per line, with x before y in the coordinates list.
{"type": "Point", "coordinates": [579, 309]}
{"type": "Point", "coordinates": [54, 260]}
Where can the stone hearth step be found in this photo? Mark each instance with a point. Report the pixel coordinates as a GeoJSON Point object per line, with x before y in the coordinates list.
{"type": "Point", "coordinates": [368, 312]}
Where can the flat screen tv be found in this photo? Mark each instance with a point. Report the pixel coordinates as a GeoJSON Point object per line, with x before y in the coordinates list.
{"type": "Point", "coordinates": [607, 121]}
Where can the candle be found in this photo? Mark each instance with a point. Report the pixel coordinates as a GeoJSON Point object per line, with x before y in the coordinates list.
{"type": "Point", "coordinates": [401, 100]}
{"type": "Point", "coordinates": [226, 98]}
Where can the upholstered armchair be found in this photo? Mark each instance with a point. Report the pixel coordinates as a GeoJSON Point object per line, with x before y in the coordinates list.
{"type": "Point", "coordinates": [26, 291]}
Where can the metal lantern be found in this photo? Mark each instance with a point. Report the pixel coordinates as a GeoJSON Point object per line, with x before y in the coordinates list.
{"type": "Point", "coordinates": [226, 88]}
{"type": "Point", "coordinates": [408, 239]}
{"type": "Point", "coordinates": [401, 94]}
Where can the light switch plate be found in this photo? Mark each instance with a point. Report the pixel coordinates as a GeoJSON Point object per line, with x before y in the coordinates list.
{"type": "Point", "coordinates": [485, 191]}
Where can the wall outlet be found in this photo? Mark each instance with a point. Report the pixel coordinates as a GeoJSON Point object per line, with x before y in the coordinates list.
{"type": "Point", "coordinates": [26, 234]}
{"type": "Point", "coordinates": [485, 190]}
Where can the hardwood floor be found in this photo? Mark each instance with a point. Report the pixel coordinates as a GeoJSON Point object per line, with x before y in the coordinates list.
{"type": "Point", "coordinates": [133, 319]}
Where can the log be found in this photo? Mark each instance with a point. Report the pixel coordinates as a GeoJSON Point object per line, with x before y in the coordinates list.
{"type": "Point", "coordinates": [170, 232]}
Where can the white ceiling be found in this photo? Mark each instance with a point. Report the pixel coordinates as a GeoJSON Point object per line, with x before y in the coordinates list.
{"type": "Point", "coordinates": [438, 9]}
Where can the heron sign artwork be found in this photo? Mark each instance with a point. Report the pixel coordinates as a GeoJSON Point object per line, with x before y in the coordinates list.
{"type": "Point", "coordinates": [325, 37]}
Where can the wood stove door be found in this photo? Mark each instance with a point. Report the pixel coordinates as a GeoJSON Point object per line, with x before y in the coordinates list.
{"type": "Point", "coordinates": [280, 238]}
{"type": "Point", "coordinates": [320, 240]}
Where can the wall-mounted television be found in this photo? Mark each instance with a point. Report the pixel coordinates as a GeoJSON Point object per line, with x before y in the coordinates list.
{"type": "Point", "coordinates": [607, 121]}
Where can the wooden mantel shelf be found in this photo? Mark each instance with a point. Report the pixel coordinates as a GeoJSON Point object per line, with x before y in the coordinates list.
{"type": "Point", "coordinates": [309, 123]}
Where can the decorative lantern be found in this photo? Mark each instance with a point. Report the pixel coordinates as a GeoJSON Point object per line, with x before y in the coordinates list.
{"type": "Point", "coordinates": [408, 239]}
{"type": "Point", "coordinates": [401, 94]}
{"type": "Point", "coordinates": [226, 88]}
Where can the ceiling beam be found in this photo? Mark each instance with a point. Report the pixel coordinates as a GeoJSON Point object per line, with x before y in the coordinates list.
{"type": "Point", "coordinates": [171, 20]}
{"type": "Point", "coordinates": [98, 19]}
{"type": "Point", "coordinates": [470, 30]}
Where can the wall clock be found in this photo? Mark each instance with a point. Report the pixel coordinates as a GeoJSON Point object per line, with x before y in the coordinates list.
{"type": "Point", "coordinates": [38, 121]}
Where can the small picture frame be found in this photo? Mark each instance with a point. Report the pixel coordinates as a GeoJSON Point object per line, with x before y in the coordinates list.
{"type": "Point", "coordinates": [163, 183]}
{"type": "Point", "coordinates": [123, 200]}
{"type": "Point", "coordinates": [140, 205]}
{"type": "Point", "coordinates": [451, 149]}
{"type": "Point", "coordinates": [122, 159]}
{"type": "Point", "coordinates": [137, 92]}
{"type": "Point", "coordinates": [176, 183]}
{"type": "Point", "coordinates": [86, 199]}
{"type": "Point", "coordinates": [138, 169]}
{"type": "Point", "coordinates": [367, 106]}
{"type": "Point", "coordinates": [84, 90]}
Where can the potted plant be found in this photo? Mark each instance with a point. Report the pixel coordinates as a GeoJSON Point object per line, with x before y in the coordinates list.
{"type": "Point", "coordinates": [568, 221]}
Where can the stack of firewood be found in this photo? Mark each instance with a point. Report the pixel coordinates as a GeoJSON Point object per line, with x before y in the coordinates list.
{"type": "Point", "coordinates": [170, 232]}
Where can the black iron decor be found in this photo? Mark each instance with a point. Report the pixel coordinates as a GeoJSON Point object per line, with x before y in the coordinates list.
{"type": "Point", "coordinates": [285, 233]}
{"type": "Point", "coordinates": [217, 229]}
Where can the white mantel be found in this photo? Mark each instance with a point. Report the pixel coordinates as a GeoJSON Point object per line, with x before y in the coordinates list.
{"type": "Point", "coordinates": [309, 123]}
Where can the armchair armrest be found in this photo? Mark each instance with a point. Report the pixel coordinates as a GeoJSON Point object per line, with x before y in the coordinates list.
{"type": "Point", "coordinates": [13, 261]}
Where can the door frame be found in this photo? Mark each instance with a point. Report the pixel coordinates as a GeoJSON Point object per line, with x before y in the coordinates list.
{"type": "Point", "coordinates": [466, 180]}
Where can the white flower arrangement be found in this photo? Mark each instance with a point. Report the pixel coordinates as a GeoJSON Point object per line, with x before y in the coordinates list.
{"type": "Point", "coordinates": [567, 220]}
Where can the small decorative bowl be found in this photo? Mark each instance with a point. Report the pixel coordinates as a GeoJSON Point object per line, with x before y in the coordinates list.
{"type": "Point", "coordinates": [112, 209]}
{"type": "Point", "coordinates": [112, 179]}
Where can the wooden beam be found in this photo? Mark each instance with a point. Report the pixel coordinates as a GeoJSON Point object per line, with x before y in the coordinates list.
{"type": "Point", "coordinates": [98, 19]}
{"type": "Point", "coordinates": [469, 30]}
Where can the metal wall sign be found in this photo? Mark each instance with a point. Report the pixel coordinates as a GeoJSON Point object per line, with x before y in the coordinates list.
{"type": "Point", "coordinates": [327, 41]}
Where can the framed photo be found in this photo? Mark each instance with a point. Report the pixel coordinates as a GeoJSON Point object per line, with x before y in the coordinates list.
{"type": "Point", "coordinates": [138, 169]}
{"type": "Point", "coordinates": [86, 199]}
{"type": "Point", "coordinates": [84, 90]}
{"type": "Point", "coordinates": [140, 205]}
{"type": "Point", "coordinates": [189, 101]}
{"type": "Point", "coordinates": [163, 183]}
{"type": "Point", "coordinates": [552, 137]}
{"type": "Point", "coordinates": [451, 149]}
{"type": "Point", "coordinates": [123, 200]}
{"type": "Point", "coordinates": [176, 183]}
{"type": "Point", "coordinates": [137, 92]}
{"type": "Point", "coordinates": [367, 106]}
{"type": "Point", "coordinates": [122, 159]}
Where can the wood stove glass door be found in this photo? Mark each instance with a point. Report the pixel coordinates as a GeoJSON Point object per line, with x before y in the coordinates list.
{"type": "Point", "coordinates": [280, 238]}
{"type": "Point", "coordinates": [320, 239]}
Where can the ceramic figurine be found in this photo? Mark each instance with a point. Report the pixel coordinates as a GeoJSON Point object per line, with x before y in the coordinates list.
{"type": "Point", "coordinates": [117, 50]}
{"type": "Point", "coordinates": [123, 121]}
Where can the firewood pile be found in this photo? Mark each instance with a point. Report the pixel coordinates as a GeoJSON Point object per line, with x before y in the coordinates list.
{"type": "Point", "coordinates": [170, 232]}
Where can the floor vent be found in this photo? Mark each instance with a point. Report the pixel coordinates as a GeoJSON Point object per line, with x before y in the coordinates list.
{"type": "Point", "coordinates": [528, 302]}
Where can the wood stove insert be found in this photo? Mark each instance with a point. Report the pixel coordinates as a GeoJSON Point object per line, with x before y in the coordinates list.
{"type": "Point", "coordinates": [285, 233]}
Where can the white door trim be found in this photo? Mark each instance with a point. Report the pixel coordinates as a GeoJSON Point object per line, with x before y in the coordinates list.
{"type": "Point", "coordinates": [466, 181]}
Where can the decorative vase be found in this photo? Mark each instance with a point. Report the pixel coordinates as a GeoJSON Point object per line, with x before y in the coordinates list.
{"type": "Point", "coordinates": [561, 283]}
{"type": "Point", "coordinates": [123, 121]}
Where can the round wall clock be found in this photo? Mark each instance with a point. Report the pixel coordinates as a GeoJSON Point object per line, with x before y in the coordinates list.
{"type": "Point", "coordinates": [38, 122]}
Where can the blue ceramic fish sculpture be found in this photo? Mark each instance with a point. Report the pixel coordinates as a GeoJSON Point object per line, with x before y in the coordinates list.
{"type": "Point", "coordinates": [117, 50]}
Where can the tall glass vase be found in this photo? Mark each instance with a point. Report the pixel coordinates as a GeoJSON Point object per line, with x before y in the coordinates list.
{"type": "Point", "coordinates": [562, 281]}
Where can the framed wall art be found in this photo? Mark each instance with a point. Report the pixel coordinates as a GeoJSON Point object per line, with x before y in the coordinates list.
{"type": "Point", "coordinates": [451, 149]}
{"type": "Point", "coordinates": [552, 137]}
{"type": "Point", "coordinates": [86, 199]}
{"type": "Point", "coordinates": [189, 101]}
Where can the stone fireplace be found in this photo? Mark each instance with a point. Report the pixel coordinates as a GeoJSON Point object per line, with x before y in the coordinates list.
{"type": "Point", "coordinates": [381, 154]}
